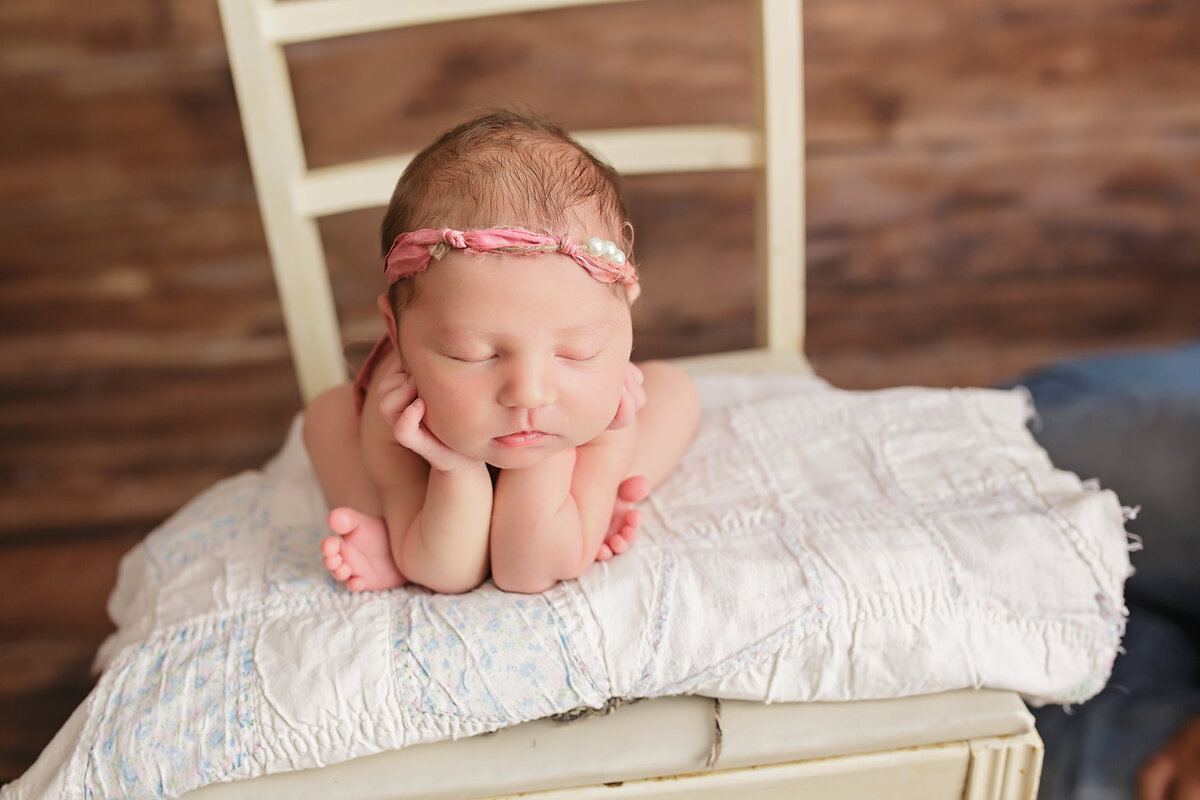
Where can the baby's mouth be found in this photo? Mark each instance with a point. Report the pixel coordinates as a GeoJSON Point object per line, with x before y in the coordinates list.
{"type": "Point", "coordinates": [521, 439]}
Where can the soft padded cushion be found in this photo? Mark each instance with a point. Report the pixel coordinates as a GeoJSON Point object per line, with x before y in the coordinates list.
{"type": "Point", "coordinates": [814, 544]}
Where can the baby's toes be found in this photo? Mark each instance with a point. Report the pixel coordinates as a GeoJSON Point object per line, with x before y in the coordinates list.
{"type": "Point", "coordinates": [618, 543]}
{"type": "Point", "coordinates": [605, 553]}
{"type": "Point", "coordinates": [634, 489]}
{"type": "Point", "coordinates": [341, 520]}
{"type": "Point", "coordinates": [342, 572]}
{"type": "Point", "coordinates": [632, 527]}
{"type": "Point", "coordinates": [356, 584]}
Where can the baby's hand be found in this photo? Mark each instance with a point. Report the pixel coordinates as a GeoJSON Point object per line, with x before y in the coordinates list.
{"type": "Point", "coordinates": [633, 398]}
{"type": "Point", "coordinates": [403, 411]}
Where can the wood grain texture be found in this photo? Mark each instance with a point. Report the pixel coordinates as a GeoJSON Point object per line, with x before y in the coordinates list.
{"type": "Point", "coordinates": [991, 185]}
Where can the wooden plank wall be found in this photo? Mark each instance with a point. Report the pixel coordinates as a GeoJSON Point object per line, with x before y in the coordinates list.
{"type": "Point", "coordinates": [992, 183]}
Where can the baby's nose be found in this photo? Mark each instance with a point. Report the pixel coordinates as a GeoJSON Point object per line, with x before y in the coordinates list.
{"type": "Point", "coordinates": [529, 384]}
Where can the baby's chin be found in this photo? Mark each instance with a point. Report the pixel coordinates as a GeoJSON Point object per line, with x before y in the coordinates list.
{"type": "Point", "coordinates": [530, 456]}
{"type": "Point", "coordinates": [521, 459]}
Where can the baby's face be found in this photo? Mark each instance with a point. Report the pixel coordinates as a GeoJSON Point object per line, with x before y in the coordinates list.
{"type": "Point", "coordinates": [517, 357]}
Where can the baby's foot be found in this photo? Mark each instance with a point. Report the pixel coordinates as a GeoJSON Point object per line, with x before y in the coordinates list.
{"type": "Point", "coordinates": [622, 534]}
{"type": "Point", "coordinates": [626, 521]}
{"type": "Point", "coordinates": [361, 554]}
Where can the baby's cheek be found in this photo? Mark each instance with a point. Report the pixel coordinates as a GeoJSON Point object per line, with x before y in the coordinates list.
{"type": "Point", "coordinates": [605, 400]}
{"type": "Point", "coordinates": [435, 421]}
{"type": "Point", "coordinates": [441, 409]}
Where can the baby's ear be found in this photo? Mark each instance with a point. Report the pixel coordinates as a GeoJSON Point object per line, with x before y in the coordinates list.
{"type": "Point", "coordinates": [389, 317]}
{"type": "Point", "coordinates": [632, 292]}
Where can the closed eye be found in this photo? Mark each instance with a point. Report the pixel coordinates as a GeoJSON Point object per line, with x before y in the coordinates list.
{"type": "Point", "coordinates": [583, 359]}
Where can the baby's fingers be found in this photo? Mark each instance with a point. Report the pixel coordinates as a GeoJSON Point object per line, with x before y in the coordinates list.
{"type": "Point", "coordinates": [395, 400]}
{"type": "Point", "coordinates": [626, 411]}
{"type": "Point", "coordinates": [633, 398]}
{"type": "Point", "coordinates": [407, 427]}
{"type": "Point", "coordinates": [634, 382]}
{"type": "Point", "coordinates": [393, 381]}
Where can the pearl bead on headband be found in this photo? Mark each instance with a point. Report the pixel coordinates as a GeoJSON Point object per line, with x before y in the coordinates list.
{"type": "Point", "coordinates": [412, 252]}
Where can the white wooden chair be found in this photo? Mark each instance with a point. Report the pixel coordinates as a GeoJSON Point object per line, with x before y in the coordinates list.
{"type": "Point", "coordinates": [965, 744]}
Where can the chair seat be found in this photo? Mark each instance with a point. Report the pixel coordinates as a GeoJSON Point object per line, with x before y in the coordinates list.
{"type": "Point", "coordinates": [660, 737]}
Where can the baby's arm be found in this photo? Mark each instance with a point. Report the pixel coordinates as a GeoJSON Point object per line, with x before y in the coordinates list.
{"type": "Point", "coordinates": [548, 521]}
{"type": "Point", "coordinates": [436, 502]}
{"type": "Point", "coordinates": [528, 552]}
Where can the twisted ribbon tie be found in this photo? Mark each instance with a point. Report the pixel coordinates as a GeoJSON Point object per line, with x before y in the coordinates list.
{"type": "Point", "coordinates": [412, 252]}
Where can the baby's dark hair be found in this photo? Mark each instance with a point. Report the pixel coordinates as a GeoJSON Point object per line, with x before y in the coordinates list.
{"type": "Point", "coordinates": [503, 169]}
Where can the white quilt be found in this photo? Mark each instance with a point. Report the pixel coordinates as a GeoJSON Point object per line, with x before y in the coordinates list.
{"type": "Point", "coordinates": [814, 544]}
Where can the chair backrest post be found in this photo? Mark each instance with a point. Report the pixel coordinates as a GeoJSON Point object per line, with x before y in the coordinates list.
{"type": "Point", "coordinates": [780, 219]}
{"type": "Point", "coordinates": [277, 160]}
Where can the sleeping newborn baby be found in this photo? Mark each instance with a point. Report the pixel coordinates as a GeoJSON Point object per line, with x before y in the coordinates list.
{"type": "Point", "coordinates": [498, 427]}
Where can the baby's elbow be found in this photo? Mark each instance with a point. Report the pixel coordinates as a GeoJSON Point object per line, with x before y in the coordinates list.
{"type": "Point", "coordinates": [452, 587]}
{"type": "Point", "coordinates": [529, 581]}
{"type": "Point", "coordinates": [525, 587]}
{"type": "Point", "coordinates": [522, 581]}
{"type": "Point", "coordinates": [536, 559]}
{"type": "Point", "coordinates": [443, 578]}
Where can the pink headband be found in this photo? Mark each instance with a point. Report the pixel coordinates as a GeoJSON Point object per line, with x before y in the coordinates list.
{"type": "Point", "coordinates": [411, 252]}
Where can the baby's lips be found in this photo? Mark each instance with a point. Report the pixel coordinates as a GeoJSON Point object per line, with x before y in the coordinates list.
{"type": "Point", "coordinates": [522, 439]}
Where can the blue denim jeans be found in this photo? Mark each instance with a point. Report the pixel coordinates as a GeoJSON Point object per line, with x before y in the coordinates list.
{"type": "Point", "coordinates": [1133, 422]}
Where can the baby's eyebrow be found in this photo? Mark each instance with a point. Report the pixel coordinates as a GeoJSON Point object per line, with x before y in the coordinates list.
{"type": "Point", "coordinates": [598, 327]}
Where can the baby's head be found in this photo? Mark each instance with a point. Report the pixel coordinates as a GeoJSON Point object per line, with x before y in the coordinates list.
{"type": "Point", "coordinates": [507, 170]}
{"type": "Point", "coordinates": [516, 334]}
